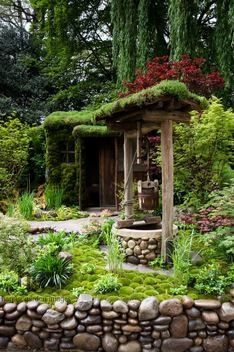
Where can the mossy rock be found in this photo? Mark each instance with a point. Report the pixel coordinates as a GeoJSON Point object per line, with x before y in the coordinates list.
{"type": "Point", "coordinates": [126, 290]}
{"type": "Point", "coordinates": [150, 281]}
{"type": "Point", "coordinates": [151, 293]}
{"type": "Point", "coordinates": [139, 296]}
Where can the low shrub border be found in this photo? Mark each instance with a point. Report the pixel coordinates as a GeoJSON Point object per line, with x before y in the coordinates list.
{"type": "Point", "coordinates": [91, 324]}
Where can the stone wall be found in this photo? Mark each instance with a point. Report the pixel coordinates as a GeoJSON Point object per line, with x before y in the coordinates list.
{"type": "Point", "coordinates": [94, 325]}
{"type": "Point", "coordinates": [141, 250]}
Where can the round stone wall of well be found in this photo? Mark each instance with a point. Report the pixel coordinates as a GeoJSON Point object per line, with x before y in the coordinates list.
{"type": "Point", "coordinates": [143, 244]}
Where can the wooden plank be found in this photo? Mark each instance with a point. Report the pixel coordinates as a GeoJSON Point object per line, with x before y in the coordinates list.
{"type": "Point", "coordinates": [167, 183]}
{"type": "Point", "coordinates": [162, 115]}
{"type": "Point", "coordinates": [152, 219]}
{"type": "Point", "coordinates": [128, 177]}
{"type": "Point", "coordinates": [116, 173]}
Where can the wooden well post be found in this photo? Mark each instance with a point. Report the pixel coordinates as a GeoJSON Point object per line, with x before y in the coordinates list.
{"type": "Point", "coordinates": [128, 176]}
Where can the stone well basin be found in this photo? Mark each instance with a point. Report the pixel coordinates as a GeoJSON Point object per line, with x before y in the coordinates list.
{"type": "Point", "coordinates": [141, 244]}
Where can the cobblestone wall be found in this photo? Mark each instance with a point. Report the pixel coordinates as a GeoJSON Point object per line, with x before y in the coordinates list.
{"type": "Point", "coordinates": [94, 325]}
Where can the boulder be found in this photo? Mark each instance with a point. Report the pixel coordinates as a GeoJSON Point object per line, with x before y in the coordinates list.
{"type": "Point", "coordinates": [120, 307]}
{"type": "Point", "coordinates": [207, 304]}
{"type": "Point", "coordinates": [105, 305]}
{"type": "Point", "coordinates": [171, 307]}
{"type": "Point", "coordinates": [7, 330]}
{"type": "Point", "coordinates": [52, 317]}
{"type": "Point", "coordinates": [19, 341]}
{"type": "Point", "coordinates": [69, 323]}
{"type": "Point", "coordinates": [32, 304]}
{"type": "Point", "coordinates": [179, 326]}
{"type": "Point", "coordinates": [87, 342]}
{"type": "Point", "coordinates": [32, 340]}
{"type": "Point", "coordinates": [210, 317]}
{"type": "Point", "coordinates": [24, 323]}
{"type": "Point", "coordinates": [60, 306]}
{"type": "Point", "coordinates": [216, 344]}
{"type": "Point", "coordinates": [109, 343]}
{"type": "Point", "coordinates": [148, 309]}
{"type": "Point", "coordinates": [84, 302]}
{"type": "Point", "coordinates": [227, 312]}
{"type": "Point", "coordinates": [9, 307]}
{"type": "Point", "coordinates": [196, 324]}
{"type": "Point", "coordinates": [133, 260]}
{"type": "Point", "coordinates": [22, 307]}
{"type": "Point", "coordinates": [178, 345]}
{"type": "Point", "coordinates": [131, 346]}
{"type": "Point", "coordinates": [42, 308]}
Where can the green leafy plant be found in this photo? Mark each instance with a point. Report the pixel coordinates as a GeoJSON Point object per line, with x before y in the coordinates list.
{"type": "Point", "coordinates": [9, 281]}
{"type": "Point", "coordinates": [211, 280]}
{"type": "Point", "coordinates": [159, 262]}
{"type": "Point", "coordinates": [60, 240]}
{"type": "Point", "coordinates": [180, 290]}
{"type": "Point", "coordinates": [49, 270]}
{"type": "Point", "coordinates": [17, 250]}
{"type": "Point", "coordinates": [106, 284]}
{"type": "Point", "coordinates": [53, 196]}
{"type": "Point", "coordinates": [78, 291]}
{"type": "Point", "coordinates": [181, 256]}
{"type": "Point", "coordinates": [88, 268]}
{"type": "Point", "coordinates": [25, 204]}
{"type": "Point", "coordinates": [222, 242]}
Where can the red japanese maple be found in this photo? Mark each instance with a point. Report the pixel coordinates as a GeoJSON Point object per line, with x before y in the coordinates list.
{"type": "Point", "coordinates": [187, 70]}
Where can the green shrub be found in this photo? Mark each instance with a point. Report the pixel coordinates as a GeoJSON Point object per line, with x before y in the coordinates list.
{"type": "Point", "coordinates": [211, 280]}
{"type": "Point", "coordinates": [78, 291]}
{"type": "Point", "coordinates": [203, 154]}
{"type": "Point", "coordinates": [25, 204]}
{"type": "Point", "coordinates": [222, 243]}
{"type": "Point", "coordinates": [49, 270]}
{"type": "Point", "coordinates": [54, 196]}
{"type": "Point", "coordinates": [60, 240]}
{"type": "Point", "coordinates": [9, 281]}
{"type": "Point", "coordinates": [180, 290]}
{"type": "Point", "coordinates": [17, 250]}
{"type": "Point", "coordinates": [107, 283]}
{"type": "Point", "coordinates": [88, 268]}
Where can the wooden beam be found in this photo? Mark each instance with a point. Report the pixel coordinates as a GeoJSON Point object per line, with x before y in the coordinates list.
{"type": "Point", "coordinates": [116, 173]}
{"type": "Point", "coordinates": [162, 115]}
{"type": "Point", "coordinates": [128, 176]}
{"type": "Point", "coordinates": [167, 183]}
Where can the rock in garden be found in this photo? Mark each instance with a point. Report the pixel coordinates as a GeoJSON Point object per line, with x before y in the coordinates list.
{"type": "Point", "coordinates": [69, 323]}
{"type": "Point", "coordinates": [7, 330]}
{"type": "Point", "coordinates": [105, 305]}
{"type": "Point", "coordinates": [120, 307]}
{"type": "Point", "coordinates": [137, 250]}
{"type": "Point", "coordinates": [133, 260]}
{"type": "Point", "coordinates": [129, 251]}
{"type": "Point", "coordinates": [3, 342]}
{"type": "Point", "coordinates": [187, 302]}
{"type": "Point", "coordinates": [69, 311]}
{"type": "Point", "coordinates": [196, 324]}
{"type": "Point", "coordinates": [134, 304]}
{"type": "Point", "coordinates": [32, 340]}
{"type": "Point", "coordinates": [210, 317]}
{"type": "Point", "coordinates": [24, 323]}
{"type": "Point", "coordinates": [131, 328]}
{"type": "Point", "coordinates": [52, 317]}
{"type": "Point", "coordinates": [150, 256]}
{"type": "Point", "coordinates": [109, 343]}
{"type": "Point", "coordinates": [22, 307]}
{"type": "Point", "coordinates": [148, 309]}
{"type": "Point", "coordinates": [216, 344]}
{"type": "Point", "coordinates": [207, 304]}
{"type": "Point", "coordinates": [131, 346]}
{"type": "Point", "coordinates": [131, 243]}
{"type": "Point", "coordinates": [13, 315]}
{"type": "Point", "coordinates": [19, 341]}
{"type": "Point", "coordinates": [176, 345]}
{"type": "Point", "coordinates": [171, 307]}
{"type": "Point", "coordinates": [91, 320]}
{"type": "Point", "coordinates": [60, 306]}
{"type": "Point", "coordinates": [143, 244]}
{"type": "Point", "coordinates": [84, 302]}
{"type": "Point", "coordinates": [66, 256]}
{"type": "Point", "coordinates": [179, 326]}
{"type": "Point", "coordinates": [227, 312]}
{"type": "Point", "coordinates": [9, 307]}
{"type": "Point", "coordinates": [42, 308]}
{"type": "Point", "coordinates": [2, 301]}
{"type": "Point", "coordinates": [162, 321]}
{"type": "Point", "coordinates": [32, 304]}
{"type": "Point", "coordinates": [110, 315]}
{"type": "Point", "coordinates": [87, 342]}
{"type": "Point", "coordinates": [51, 345]}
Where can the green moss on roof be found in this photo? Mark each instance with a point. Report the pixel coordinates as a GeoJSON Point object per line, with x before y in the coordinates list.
{"type": "Point", "coordinates": [92, 131]}
{"type": "Point", "coordinates": [69, 118]}
{"type": "Point", "coordinates": [149, 96]}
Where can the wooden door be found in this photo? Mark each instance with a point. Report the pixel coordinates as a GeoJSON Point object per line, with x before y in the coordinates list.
{"type": "Point", "coordinates": [107, 172]}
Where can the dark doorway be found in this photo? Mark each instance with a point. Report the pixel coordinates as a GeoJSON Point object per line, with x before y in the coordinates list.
{"type": "Point", "coordinates": [100, 172]}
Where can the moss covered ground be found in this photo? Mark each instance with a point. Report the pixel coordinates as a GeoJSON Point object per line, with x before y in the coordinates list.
{"type": "Point", "coordinates": [134, 285]}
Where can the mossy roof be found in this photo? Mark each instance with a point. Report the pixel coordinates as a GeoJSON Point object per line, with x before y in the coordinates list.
{"type": "Point", "coordinates": [60, 119]}
{"type": "Point", "coordinates": [93, 131]}
{"type": "Point", "coordinates": [149, 96]}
